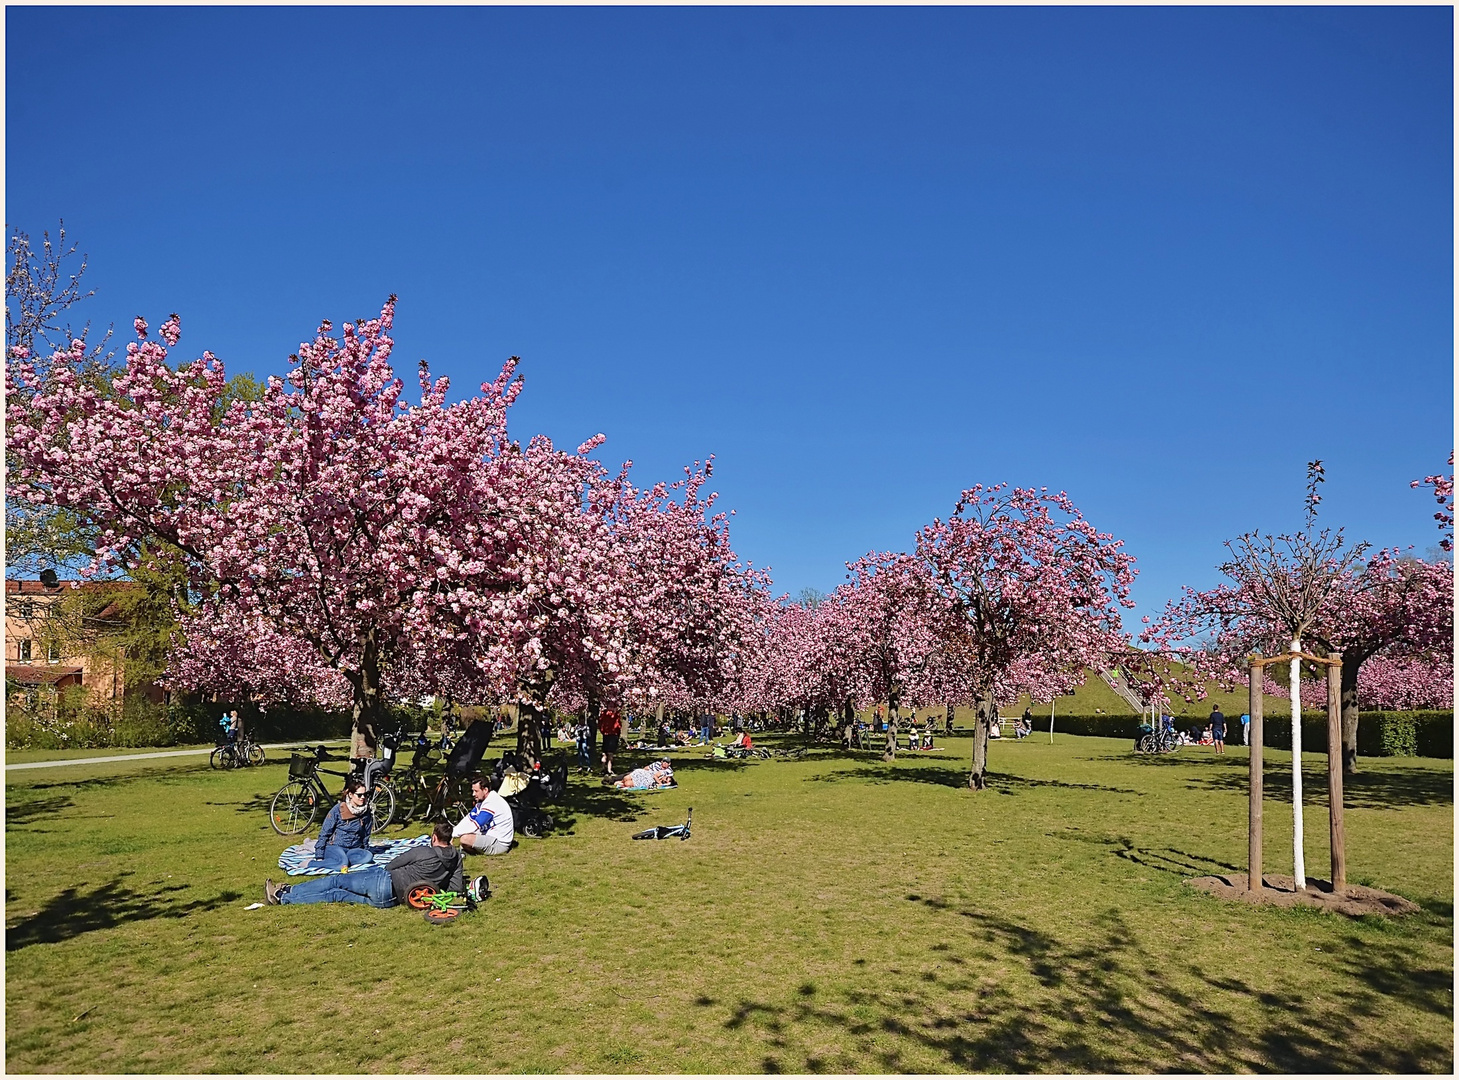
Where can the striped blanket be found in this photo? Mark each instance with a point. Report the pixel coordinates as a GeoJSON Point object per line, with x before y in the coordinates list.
{"type": "Point", "coordinates": [295, 860]}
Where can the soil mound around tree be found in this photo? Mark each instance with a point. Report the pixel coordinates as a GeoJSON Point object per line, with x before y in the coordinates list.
{"type": "Point", "coordinates": [1281, 890]}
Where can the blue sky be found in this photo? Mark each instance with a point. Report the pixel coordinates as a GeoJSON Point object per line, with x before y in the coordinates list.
{"type": "Point", "coordinates": [866, 257]}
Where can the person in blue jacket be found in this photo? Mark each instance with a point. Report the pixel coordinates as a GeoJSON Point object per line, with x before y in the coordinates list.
{"type": "Point", "coordinates": [344, 839]}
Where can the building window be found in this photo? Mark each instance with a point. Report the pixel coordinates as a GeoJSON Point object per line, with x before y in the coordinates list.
{"type": "Point", "coordinates": [53, 652]}
{"type": "Point", "coordinates": [26, 608]}
{"type": "Point", "coordinates": [23, 649]}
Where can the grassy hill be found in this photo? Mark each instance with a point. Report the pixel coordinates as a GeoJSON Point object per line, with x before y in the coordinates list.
{"type": "Point", "coordinates": [1096, 697]}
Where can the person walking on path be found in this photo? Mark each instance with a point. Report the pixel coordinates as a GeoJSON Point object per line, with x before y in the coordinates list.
{"type": "Point", "coordinates": [581, 735]}
{"type": "Point", "coordinates": [610, 727]}
{"type": "Point", "coordinates": [1218, 729]}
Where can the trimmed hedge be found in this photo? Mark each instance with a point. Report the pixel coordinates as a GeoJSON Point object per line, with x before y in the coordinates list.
{"type": "Point", "coordinates": [1380, 734]}
{"type": "Point", "coordinates": [198, 722]}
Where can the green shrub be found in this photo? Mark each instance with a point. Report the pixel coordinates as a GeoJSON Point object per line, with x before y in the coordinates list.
{"type": "Point", "coordinates": [1380, 734]}
{"type": "Point", "coordinates": [1399, 735]}
{"type": "Point", "coordinates": [1103, 724]}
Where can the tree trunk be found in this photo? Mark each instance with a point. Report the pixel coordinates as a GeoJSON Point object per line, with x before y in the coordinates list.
{"type": "Point", "coordinates": [368, 710]}
{"type": "Point", "coordinates": [951, 710]}
{"type": "Point", "coordinates": [894, 707]}
{"type": "Point", "coordinates": [982, 721]}
{"type": "Point", "coordinates": [530, 716]}
{"type": "Point", "coordinates": [1352, 659]}
{"type": "Point", "coordinates": [1299, 863]}
{"type": "Point", "coordinates": [848, 722]}
{"type": "Point", "coordinates": [594, 713]}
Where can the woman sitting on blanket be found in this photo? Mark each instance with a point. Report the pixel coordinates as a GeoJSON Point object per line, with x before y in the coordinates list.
{"type": "Point", "coordinates": [344, 839]}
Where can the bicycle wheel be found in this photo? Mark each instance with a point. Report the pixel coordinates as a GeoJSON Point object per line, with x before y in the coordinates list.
{"type": "Point", "coordinates": [220, 758]}
{"type": "Point", "coordinates": [382, 804]}
{"type": "Point", "coordinates": [409, 795]}
{"type": "Point", "coordinates": [255, 754]}
{"type": "Point", "coordinates": [293, 808]}
{"type": "Point", "coordinates": [419, 895]}
{"type": "Point", "coordinates": [1147, 744]}
{"type": "Point", "coordinates": [442, 916]}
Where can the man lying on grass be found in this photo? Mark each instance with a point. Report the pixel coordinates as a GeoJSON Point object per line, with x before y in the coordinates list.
{"type": "Point", "coordinates": [381, 886]}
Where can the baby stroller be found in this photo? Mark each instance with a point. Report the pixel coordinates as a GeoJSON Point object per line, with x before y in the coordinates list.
{"type": "Point", "coordinates": [527, 791]}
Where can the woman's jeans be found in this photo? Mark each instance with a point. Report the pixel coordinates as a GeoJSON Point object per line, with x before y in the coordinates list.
{"type": "Point", "coordinates": [584, 758]}
{"type": "Point", "coordinates": [372, 885]}
{"type": "Point", "coordinates": [338, 858]}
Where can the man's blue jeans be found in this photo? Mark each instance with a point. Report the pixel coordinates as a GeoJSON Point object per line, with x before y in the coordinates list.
{"type": "Point", "coordinates": [584, 758]}
{"type": "Point", "coordinates": [372, 886]}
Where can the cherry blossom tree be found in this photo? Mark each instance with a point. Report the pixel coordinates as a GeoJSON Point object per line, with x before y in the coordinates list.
{"type": "Point", "coordinates": [1408, 683]}
{"type": "Point", "coordinates": [1032, 592]}
{"type": "Point", "coordinates": [674, 589]}
{"type": "Point", "coordinates": [1443, 488]}
{"type": "Point", "coordinates": [353, 523]}
{"type": "Point", "coordinates": [889, 625]}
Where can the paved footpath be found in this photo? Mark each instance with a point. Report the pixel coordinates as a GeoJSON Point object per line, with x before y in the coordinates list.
{"type": "Point", "coordinates": [159, 754]}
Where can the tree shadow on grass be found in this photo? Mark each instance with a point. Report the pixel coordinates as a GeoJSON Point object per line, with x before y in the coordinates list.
{"type": "Point", "coordinates": [1385, 789]}
{"type": "Point", "coordinates": [75, 911]}
{"type": "Point", "coordinates": [1168, 860]}
{"type": "Point", "coordinates": [24, 812]}
{"type": "Point", "coordinates": [594, 800]}
{"type": "Point", "coordinates": [169, 774]}
{"type": "Point", "coordinates": [1101, 1003]}
{"type": "Point", "coordinates": [952, 776]}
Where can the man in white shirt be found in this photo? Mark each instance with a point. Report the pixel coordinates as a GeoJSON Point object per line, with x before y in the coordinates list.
{"type": "Point", "coordinates": [487, 828]}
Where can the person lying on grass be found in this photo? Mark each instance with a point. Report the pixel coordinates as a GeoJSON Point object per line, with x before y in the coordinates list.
{"type": "Point", "coordinates": [380, 886]}
{"type": "Point", "coordinates": [487, 828]}
{"type": "Point", "coordinates": [344, 839]}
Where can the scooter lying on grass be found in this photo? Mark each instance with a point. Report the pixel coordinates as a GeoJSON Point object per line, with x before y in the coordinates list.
{"type": "Point", "coordinates": [440, 907]}
{"type": "Point", "coordinates": [665, 832]}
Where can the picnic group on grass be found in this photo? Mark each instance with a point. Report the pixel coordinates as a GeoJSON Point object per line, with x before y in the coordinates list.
{"type": "Point", "coordinates": [344, 847]}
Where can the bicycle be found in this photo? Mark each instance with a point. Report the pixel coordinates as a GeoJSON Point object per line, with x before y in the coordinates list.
{"type": "Point", "coordinates": [1159, 742]}
{"type": "Point", "coordinates": [413, 790]}
{"type": "Point", "coordinates": [227, 756]}
{"type": "Point", "coordinates": [666, 832]}
{"type": "Point", "coordinates": [299, 801]}
{"type": "Point", "coordinates": [251, 751]}
{"type": "Point", "coordinates": [235, 755]}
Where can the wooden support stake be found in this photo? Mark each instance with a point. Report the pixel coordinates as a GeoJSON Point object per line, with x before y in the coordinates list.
{"type": "Point", "coordinates": [1253, 850]}
{"type": "Point", "coordinates": [1334, 774]}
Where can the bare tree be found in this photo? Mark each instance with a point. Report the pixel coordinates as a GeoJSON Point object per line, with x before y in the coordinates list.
{"type": "Point", "coordinates": [1280, 587]}
{"type": "Point", "coordinates": [40, 288]}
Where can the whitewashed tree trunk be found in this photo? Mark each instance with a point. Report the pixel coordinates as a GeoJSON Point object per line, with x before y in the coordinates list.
{"type": "Point", "coordinates": [1299, 864]}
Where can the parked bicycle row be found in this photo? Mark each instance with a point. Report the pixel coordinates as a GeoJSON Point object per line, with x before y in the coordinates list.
{"type": "Point", "coordinates": [434, 786]}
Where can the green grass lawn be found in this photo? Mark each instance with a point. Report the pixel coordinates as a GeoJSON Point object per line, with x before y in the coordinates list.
{"type": "Point", "coordinates": [14, 757]}
{"type": "Point", "coordinates": [832, 914]}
